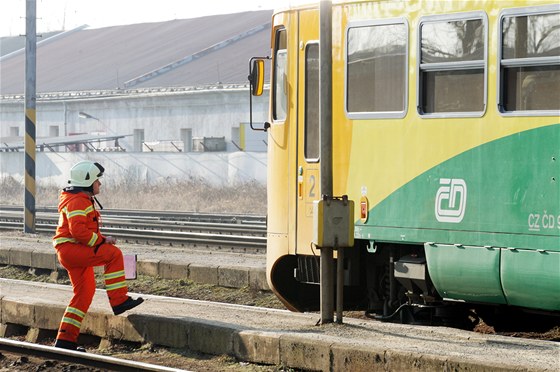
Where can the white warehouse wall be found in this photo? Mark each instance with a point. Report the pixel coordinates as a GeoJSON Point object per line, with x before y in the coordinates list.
{"type": "Point", "coordinates": [216, 111]}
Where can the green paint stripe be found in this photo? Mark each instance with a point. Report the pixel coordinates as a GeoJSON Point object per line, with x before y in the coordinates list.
{"type": "Point", "coordinates": [511, 184]}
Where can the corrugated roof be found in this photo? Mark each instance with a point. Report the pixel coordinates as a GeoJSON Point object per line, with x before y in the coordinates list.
{"type": "Point", "coordinates": [106, 58]}
{"type": "Point", "coordinates": [10, 44]}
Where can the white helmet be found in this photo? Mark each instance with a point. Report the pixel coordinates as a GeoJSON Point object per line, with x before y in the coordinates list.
{"type": "Point", "coordinates": [84, 173]}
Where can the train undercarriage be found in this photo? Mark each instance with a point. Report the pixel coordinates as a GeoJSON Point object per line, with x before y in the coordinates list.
{"type": "Point", "coordinates": [391, 282]}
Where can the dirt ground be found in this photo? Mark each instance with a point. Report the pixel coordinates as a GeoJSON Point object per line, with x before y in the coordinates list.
{"type": "Point", "coordinates": [148, 354]}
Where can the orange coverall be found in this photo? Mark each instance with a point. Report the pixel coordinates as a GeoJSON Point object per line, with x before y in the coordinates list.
{"type": "Point", "coordinates": [80, 246]}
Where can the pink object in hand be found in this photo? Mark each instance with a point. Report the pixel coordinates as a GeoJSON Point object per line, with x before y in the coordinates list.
{"type": "Point", "coordinates": [129, 266]}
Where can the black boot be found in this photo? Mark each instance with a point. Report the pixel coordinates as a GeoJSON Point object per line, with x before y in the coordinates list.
{"type": "Point", "coordinates": [63, 344]}
{"type": "Point", "coordinates": [127, 305]}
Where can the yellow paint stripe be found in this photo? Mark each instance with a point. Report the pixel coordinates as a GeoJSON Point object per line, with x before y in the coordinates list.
{"type": "Point", "coordinates": [242, 136]}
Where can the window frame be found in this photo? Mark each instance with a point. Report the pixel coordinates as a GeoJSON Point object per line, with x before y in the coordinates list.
{"type": "Point", "coordinates": [274, 91]}
{"type": "Point", "coordinates": [521, 62]}
{"type": "Point", "coordinates": [378, 114]}
{"type": "Point", "coordinates": [306, 105]}
{"type": "Point", "coordinates": [451, 66]}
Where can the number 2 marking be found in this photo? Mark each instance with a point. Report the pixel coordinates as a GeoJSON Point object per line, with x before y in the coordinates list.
{"type": "Point", "coordinates": [312, 188]}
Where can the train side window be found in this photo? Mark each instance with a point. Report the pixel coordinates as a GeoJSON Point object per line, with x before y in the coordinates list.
{"type": "Point", "coordinates": [311, 135]}
{"type": "Point", "coordinates": [280, 84]}
{"type": "Point", "coordinates": [452, 65]}
{"type": "Point", "coordinates": [376, 69]}
{"type": "Point", "coordinates": [529, 55]}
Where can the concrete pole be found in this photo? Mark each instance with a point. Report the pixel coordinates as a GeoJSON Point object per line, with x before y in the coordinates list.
{"type": "Point", "coordinates": [325, 123]}
{"type": "Point", "coordinates": [30, 113]}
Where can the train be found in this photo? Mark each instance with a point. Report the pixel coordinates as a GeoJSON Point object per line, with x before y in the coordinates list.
{"type": "Point", "coordinates": [445, 136]}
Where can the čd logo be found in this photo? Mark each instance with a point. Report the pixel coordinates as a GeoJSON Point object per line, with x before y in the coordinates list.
{"type": "Point", "coordinates": [451, 200]}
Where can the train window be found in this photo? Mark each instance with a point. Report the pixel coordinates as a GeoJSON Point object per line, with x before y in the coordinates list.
{"type": "Point", "coordinates": [376, 69]}
{"type": "Point", "coordinates": [530, 61]}
{"type": "Point", "coordinates": [311, 148]}
{"type": "Point", "coordinates": [280, 64]}
{"type": "Point", "coordinates": [452, 65]}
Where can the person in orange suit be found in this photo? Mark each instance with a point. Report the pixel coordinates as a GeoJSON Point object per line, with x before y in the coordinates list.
{"type": "Point", "coordinates": [80, 246]}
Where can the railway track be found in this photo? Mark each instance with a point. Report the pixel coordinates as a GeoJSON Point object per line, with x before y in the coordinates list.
{"type": "Point", "coordinates": [45, 356]}
{"type": "Point", "coordinates": [233, 231]}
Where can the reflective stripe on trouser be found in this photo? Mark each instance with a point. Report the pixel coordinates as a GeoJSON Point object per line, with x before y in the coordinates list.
{"type": "Point", "coordinates": [115, 283]}
{"type": "Point", "coordinates": [70, 324]}
{"type": "Point", "coordinates": [79, 261]}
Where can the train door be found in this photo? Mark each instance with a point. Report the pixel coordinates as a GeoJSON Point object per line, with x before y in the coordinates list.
{"type": "Point", "coordinates": [308, 177]}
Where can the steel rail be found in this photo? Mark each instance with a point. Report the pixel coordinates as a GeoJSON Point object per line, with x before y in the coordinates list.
{"type": "Point", "coordinates": [222, 236]}
{"type": "Point", "coordinates": [163, 215]}
{"type": "Point", "coordinates": [149, 224]}
{"type": "Point", "coordinates": [77, 357]}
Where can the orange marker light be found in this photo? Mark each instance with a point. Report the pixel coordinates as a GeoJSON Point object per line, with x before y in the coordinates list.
{"type": "Point", "coordinates": [364, 207]}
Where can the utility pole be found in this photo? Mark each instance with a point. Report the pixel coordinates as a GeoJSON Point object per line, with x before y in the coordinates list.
{"type": "Point", "coordinates": [325, 122]}
{"type": "Point", "coordinates": [30, 113]}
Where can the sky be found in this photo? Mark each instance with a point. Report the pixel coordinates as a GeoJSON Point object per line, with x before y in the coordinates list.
{"type": "Point", "coordinates": [56, 15]}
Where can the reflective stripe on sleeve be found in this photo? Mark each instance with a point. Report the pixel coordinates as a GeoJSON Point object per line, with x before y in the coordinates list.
{"type": "Point", "coordinates": [58, 241]}
{"type": "Point", "coordinates": [92, 240]}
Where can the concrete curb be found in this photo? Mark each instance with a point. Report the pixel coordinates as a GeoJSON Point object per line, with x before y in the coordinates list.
{"type": "Point", "coordinates": [293, 350]}
{"type": "Point", "coordinates": [225, 276]}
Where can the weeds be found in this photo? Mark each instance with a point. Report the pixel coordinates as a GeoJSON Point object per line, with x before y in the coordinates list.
{"type": "Point", "coordinates": [171, 195]}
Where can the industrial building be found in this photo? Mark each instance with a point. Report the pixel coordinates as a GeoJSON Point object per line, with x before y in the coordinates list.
{"type": "Point", "coordinates": [175, 86]}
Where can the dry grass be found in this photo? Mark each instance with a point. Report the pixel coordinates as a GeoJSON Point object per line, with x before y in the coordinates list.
{"type": "Point", "coordinates": [190, 196]}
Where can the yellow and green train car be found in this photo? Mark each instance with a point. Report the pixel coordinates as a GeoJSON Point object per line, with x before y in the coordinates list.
{"type": "Point", "coordinates": [446, 135]}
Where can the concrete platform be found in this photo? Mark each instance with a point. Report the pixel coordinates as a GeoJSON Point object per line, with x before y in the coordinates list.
{"type": "Point", "coordinates": [276, 337]}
